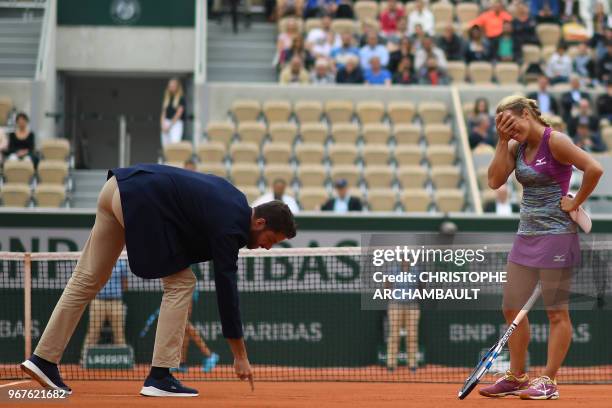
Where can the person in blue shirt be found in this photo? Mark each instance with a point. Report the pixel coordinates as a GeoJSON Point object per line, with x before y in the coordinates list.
{"type": "Point", "coordinates": [108, 305]}
{"type": "Point", "coordinates": [376, 75]}
{"type": "Point", "coordinates": [168, 219]}
{"type": "Point", "coordinates": [341, 54]}
{"type": "Point", "coordinates": [373, 49]}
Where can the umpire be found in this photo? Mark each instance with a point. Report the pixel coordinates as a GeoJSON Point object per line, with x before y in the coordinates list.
{"type": "Point", "coordinates": [168, 219]}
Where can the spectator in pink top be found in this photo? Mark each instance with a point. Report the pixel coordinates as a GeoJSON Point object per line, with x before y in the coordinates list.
{"type": "Point", "coordinates": [492, 21]}
{"type": "Point", "coordinates": [390, 17]}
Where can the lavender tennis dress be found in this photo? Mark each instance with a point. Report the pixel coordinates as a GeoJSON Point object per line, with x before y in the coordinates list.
{"type": "Point", "coordinates": [547, 237]}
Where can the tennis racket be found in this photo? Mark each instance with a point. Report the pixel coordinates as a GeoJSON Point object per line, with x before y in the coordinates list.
{"type": "Point", "coordinates": [487, 360]}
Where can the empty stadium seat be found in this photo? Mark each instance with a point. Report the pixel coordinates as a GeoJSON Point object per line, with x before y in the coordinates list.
{"type": "Point", "coordinates": [365, 10]}
{"type": "Point", "coordinates": [339, 111]}
{"type": "Point", "coordinates": [466, 12]}
{"type": "Point", "coordinates": [378, 176]}
{"type": "Point", "coordinates": [54, 149]}
{"type": "Point", "coordinates": [220, 131]}
{"type": "Point", "coordinates": [507, 73]}
{"type": "Point", "coordinates": [411, 177]}
{"type": "Point", "coordinates": [6, 104]}
{"type": "Point", "coordinates": [342, 153]}
{"type": "Point", "coordinates": [531, 54]}
{"type": "Point", "coordinates": [313, 132]}
{"type": "Point", "coordinates": [278, 172]}
{"type": "Point", "coordinates": [408, 155]}
{"type": "Point", "coordinates": [442, 11]}
{"type": "Point", "coordinates": [311, 175]}
{"type": "Point", "coordinates": [445, 176]}
{"type": "Point", "coordinates": [309, 153]}
{"type": "Point", "coordinates": [370, 111]}
{"type": "Point", "coordinates": [18, 171]}
{"type": "Point", "coordinates": [312, 198]}
{"type": "Point", "coordinates": [250, 131]}
{"type": "Point", "coordinates": [606, 135]}
{"type": "Point", "coordinates": [480, 72]}
{"type": "Point", "coordinates": [375, 154]}
{"type": "Point", "coordinates": [276, 153]}
{"type": "Point", "coordinates": [245, 174]}
{"type": "Point", "coordinates": [211, 152]}
{"type": "Point", "coordinates": [246, 110]}
{"type": "Point", "coordinates": [308, 111]}
{"type": "Point", "coordinates": [407, 134]}
{"type": "Point", "coordinates": [345, 132]}
{"type": "Point", "coordinates": [283, 132]}
{"type": "Point", "coordinates": [482, 174]}
{"type": "Point", "coordinates": [52, 171]}
{"type": "Point", "coordinates": [432, 112]}
{"type": "Point", "coordinates": [456, 70]}
{"type": "Point", "coordinates": [49, 195]}
{"type": "Point", "coordinates": [548, 51]}
{"type": "Point", "coordinates": [277, 111]}
{"type": "Point", "coordinates": [441, 155]}
{"type": "Point", "coordinates": [349, 172]}
{"type": "Point", "coordinates": [549, 34]}
{"type": "Point", "coordinates": [178, 152]}
{"type": "Point", "coordinates": [415, 200]}
{"type": "Point", "coordinates": [15, 194]}
{"type": "Point", "coordinates": [312, 23]}
{"type": "Point", "coordinates": [217, 169]}
{"type": "Point", "coordinates": [344, 25]}
{"type": "Point", "coordinates": [401, 112]}
{"type": "Point", "coordinates": [438, 133]}
{"type": "Point", "coordinates": [251, 193]}
{"type": "Point", "coordinates": [244, 152]}
{"type": "Point", "coordinates": [381, 199]}
{"type": "Point", "coordinates": [377, 133]}
{"type": "Point", "coordinates": [449, 200]}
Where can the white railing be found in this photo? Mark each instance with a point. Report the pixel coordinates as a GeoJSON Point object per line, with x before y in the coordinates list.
{"type": "Point", "coordinates": [47, 40]}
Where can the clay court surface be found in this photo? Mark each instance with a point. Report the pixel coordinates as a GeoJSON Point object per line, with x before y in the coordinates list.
{"type": "Point", "coordinates": [107, 394]}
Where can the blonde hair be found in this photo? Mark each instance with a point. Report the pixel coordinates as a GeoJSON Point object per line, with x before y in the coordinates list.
{"type": "Point", "coordinates": [176, 97]}
{"type": "Point", "coordinates": [518, 103]}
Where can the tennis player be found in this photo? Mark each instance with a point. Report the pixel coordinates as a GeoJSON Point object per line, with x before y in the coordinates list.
{"type": "Point", "coordinates": [546, 247]}
{"type": "Point", "coordinates": [168, 218]}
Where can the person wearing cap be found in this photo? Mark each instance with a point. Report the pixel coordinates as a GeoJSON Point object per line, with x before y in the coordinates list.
{"type": "Point", "coordinates": [343, 202]}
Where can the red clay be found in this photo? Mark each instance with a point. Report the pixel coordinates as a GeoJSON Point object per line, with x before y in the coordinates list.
{"type": "Point", "coordinates": [107, 394]}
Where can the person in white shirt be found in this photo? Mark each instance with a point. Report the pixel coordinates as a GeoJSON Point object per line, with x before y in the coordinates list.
{"type": "Point", "coordinates": [278, 193]}
{"type": "Point", "coordinates": [559, 66]}
{"type": "Point", "coordinates": [422, 16]}
{"type": "Point", "coordinates": [502, 204]}
{"type": "Point", "coordinates": [322, 40]}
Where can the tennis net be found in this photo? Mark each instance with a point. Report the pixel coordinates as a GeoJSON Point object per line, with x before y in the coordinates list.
{"type": "Point", "coordinates": [303, 321]}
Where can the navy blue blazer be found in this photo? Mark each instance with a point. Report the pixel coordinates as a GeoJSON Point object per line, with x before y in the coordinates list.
{"type": "Point", "coordinates": [175, 217]}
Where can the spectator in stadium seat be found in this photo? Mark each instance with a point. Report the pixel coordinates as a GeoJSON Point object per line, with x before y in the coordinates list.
{"type": "Point", "coordinates": [390, 17]}
{"type": "Point", "coordinates": [347, 48]}
{"type": "Point", "coordinates": [404, 74]}
{"type": "Point", "coordinates": [173, 113]}
{"type": "Point", "coordinates": [316, 8]}
{"type": "Point", "coordinates": [431, 74]}
{"type": "Point", "coordinates": [429, 50]}
{"type": "Point", "coordinates": [571, 98]}
{"type": "Point", "coordinates": [524, 26]}
{"type": "Point", "coordinates": [482, 132]}
{"type": "Point", "coordinates": [376, 75]}
{"type": "Point", "coordinates": [604, 103]}
{"type": "Point", "coordinates": [583, 63]}
{"type": "Point", "coordinates": [478, 47]}
{"type": "Point", "coordinates": [343, 202]}
{"type": "Point", "coordinates": [108, 305]}
{"type": "Point", "coordinates": [345, 10]}
{"type": "Point", "coordinates": [321, 36]}
{"type": "Point", "coordinates": [492, 20]}
{"type": "Point", "coordinates": [373, 49]}
{"type": "Point", "coordinates": [505, 48]}
{"type": "Point", "coordinates": [559, 66]}
{"type": "Point", "coordinates": [546, 101]}
{"type": "Point", "coordinates": [588, 140]}
{"type": "Point", "coordinates": [285, 39]}
{"type": "Point", "coordinates": [21, 141]}
{"type": "Point", "coordinates": [502, 204]}
{"type": "Point", "coordinates": [417, 38]}
{"type": "Point", "coordinates": [404, 50]}
{"type": "Point", "coordinates": [600, 19]}
{"type": "Point", "coordinates": [297, 48]}
{"type": "Point", "coordinates": [545, 10]}
{"type": "Point", "coordinates": [351, 73]}
{"type": "Point", "coordinates": [294, 72]}
{"type": "Point", "coordinates": [278, 193]}
{"type": "Point", "coordinates": [322, 75]}
{"type": "Point", "coordinates": [583, 115]}
{"type": "Point", "coordinates": [481, 107]}
{"type": "Point", "coordinates": [604, 64]}
{"type": "Point", "coordinates": [451, 44]}
{"type": "Point", "coordinates": [599, 41]}
{"type": "Point", "coordinates": [422, 16]}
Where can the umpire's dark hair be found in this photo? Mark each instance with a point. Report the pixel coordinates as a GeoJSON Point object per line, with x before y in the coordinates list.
{"type": "Point", "coordinates": [278, 217]}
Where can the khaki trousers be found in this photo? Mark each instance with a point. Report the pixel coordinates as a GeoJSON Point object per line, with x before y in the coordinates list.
{"type": "Point", "coordinates": [407, 317]}
{"type": "Point", "coordinates": [101, 310]}
{"type": "Point", "coordinates": [91, 273]}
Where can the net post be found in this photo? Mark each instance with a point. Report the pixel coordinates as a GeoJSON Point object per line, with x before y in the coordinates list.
{"type": "Point", "coordinates": [27, 303]}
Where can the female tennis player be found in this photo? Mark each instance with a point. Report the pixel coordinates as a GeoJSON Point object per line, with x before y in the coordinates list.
{"type": "Point", "coordinates": [168, 219]}
{"type": "Point", "coordinates": [546, 247]}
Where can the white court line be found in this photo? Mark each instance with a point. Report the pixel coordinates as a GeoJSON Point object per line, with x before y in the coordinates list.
{"type": "Point", "coordinates": [14, 383]}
